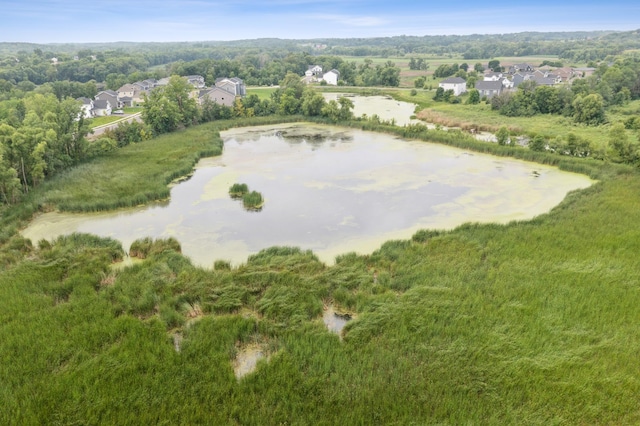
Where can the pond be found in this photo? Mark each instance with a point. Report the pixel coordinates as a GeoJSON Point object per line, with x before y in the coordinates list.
{"type": "Point", "coordinates": [384, 107]}
{"type": "Point", "coordinates": [328, 189]}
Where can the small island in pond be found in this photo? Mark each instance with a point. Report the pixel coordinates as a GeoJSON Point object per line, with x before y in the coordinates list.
{"type": "Point", "coordinates": [237, 190]}
{"type": "Point", "coordinates": [250, 200]}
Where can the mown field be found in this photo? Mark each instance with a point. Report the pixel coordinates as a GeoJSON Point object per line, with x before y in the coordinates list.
{"type": "Point", "coordinates": [527, 323]}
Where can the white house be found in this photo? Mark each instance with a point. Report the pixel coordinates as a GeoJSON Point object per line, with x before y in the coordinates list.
{"type": "Point", "coordinates": [196, 81]}
{"type": "Point", "coordinates": [331, 77]}
{"type": "Point", "coordinates": [313, 71]}
{"type": "Point", "coordinates": [457, 84]}
{"type": "Point", "coordinates": [86, 105]}
{"type": "Point", "coordinates": [101, 108]}
{"type": "Point", "coordinates": [492, 76]}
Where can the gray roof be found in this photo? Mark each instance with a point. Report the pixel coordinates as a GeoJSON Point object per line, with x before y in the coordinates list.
{"type": "Point", "coordinates": [204, 92]}
{"type": "Point", "coordinates": [489, 85]}
{"type": "Point", "coordinates": [100, 104]}
{"type": "Point", "coordinates": [542, 81]}
{"type": "Point", "coordinates": [453, 80]}
{"type": "Point", "coordinates": [232, 79]}
{"type": "Point", "coordinates": [85, 101]}
{"type": "Point", "coordinates": [127, 87]}
{"type": "Point", "coordinates": [108, 92]}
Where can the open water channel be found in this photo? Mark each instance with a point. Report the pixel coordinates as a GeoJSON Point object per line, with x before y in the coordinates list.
{"type": "Point", "coordinates": [328, 189]}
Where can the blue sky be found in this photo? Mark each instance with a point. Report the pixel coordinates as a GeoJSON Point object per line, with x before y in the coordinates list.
{"type": "Point", "coordinates": [53, 21]}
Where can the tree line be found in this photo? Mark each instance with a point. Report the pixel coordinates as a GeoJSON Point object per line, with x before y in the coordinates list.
{"type": "Point", "coordinates": [114, 69]}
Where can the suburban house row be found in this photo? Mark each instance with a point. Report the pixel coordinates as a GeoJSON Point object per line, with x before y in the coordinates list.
{"type": "Point", "coordinates": [225, 92]}
{"type": "Point", "coordinates": [494, 83]}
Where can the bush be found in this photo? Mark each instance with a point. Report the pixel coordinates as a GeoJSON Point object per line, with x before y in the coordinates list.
{"type": "Point", "coordinates": [238, 190]}
{"type": "Point", "coordinates": [145, 247]}
{"type": "Point", "coordinates": [252, 200]}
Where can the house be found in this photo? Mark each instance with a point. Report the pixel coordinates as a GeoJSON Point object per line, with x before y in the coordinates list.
{"type": "Point", "coordinates": [565, 74]}
{"type": "Point", "coordinates": [94, 108]}
{"type": "Point", "coordinates": [130, 94]}
{"type": "Point", "coordinates": [217, 95]}
{"type": "Point", "coordinates": [142, 86]}
{"type": "Point", "coordinates": [314, 71]}
{"type": "Point", "coordinates": [457, 84]}
{"type": "Point", "coordinates": [125, 101]}
{"type": "Point", "coordinates": [196, 81]}
{"type": "Point", "coordinates": [506, 83]}
{"type": "Point", "coordinates": [101, 108]}
{"type": "Point", "coordinates": [111, 96]}
{"type": "Point", "coordinates": [232, 85]}
{"type": "Point", "coordinates": [584, 72]}
{"type": "Point", "coordinates": [489, 89]}
{"type": "Point", "coordinates": [492, 76]}
{"type": "Point", "coordinates": [86, 106]}
{"type": "Point", "coordinates": [128, 90]}
{"type": "Point", "coordinates": [544, 81]}
{"type": "Point", "coordinates": [331, 77]}
{"type": "Point", "coordinates": [521, 68]}
{"type": "Point", "coordinates": [150, 82]}
{"type": "Point", "coordinates": [518, 78]}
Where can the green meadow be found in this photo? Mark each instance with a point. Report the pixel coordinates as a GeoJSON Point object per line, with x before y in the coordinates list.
{"type": "Point", "coordinates": [531, 322]}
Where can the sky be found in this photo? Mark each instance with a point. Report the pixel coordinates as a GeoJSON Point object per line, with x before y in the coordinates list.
{"type": "Point", "coordinates": [73, 21]}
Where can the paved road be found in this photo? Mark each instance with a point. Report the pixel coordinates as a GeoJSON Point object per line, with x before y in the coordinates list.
{"type": "Point", "coordinates": [99, 130]}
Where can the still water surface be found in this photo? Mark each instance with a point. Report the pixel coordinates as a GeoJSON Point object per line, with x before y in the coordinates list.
{"type": "Point", "coordinates": [326, 189]}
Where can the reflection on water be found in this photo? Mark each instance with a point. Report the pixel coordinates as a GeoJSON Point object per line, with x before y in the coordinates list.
{"type": "Point", "coordinates": [334, 321]}
{"type": "Point", "coordinates": [329, 190]}
{"type": "Point", "coordinates": [385, 107]}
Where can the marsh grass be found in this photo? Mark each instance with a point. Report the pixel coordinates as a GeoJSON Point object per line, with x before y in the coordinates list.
{"type": "Point", "coordinates": [531, 322]}
{"type": "Point", "coordinates": [252, 201]}
{"type": "Point", "coordinates": [238, 190]}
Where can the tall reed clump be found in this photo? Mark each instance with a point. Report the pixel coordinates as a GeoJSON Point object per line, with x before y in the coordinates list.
{"type": "Point", "coordinates": [252, 201]}
{"type": "Point", "coordinates": [238, 190]}
{"type": "Point", "coordinates": [145, 247]}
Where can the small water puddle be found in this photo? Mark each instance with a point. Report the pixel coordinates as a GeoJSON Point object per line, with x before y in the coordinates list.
{"type": "Point", "coordinates": [335, 321]}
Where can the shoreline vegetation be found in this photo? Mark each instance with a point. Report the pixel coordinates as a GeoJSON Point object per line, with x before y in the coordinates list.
{"type": "Point", "coordinates": [516, 323]}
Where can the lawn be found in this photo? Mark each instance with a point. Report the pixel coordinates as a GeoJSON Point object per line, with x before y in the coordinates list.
{"type": "Point", "coordinates": [262, 92]}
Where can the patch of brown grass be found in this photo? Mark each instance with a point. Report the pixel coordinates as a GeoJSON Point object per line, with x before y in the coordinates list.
{"type": "Point", "coordinates": [431, 116]}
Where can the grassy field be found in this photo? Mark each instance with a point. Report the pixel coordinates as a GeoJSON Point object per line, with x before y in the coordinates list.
{"type": "Point", "coordinates": [481, 117]}
{"type": "Point", "coordinates": [527, 323]}
{"type": "Point", "coordinates": [262, 92]}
